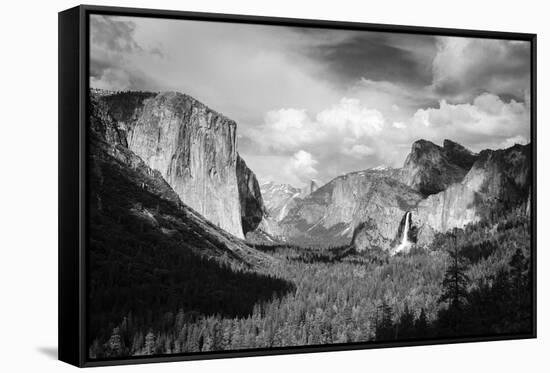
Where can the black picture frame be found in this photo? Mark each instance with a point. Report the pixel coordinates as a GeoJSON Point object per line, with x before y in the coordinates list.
{"type": "Point", "coordinates": [73, 95]}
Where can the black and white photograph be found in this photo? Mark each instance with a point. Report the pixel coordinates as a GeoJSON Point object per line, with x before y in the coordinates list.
{"type": "Point", "coordinates": [275, 186]}
{"type": "Point", "coordinates": [258, 187]}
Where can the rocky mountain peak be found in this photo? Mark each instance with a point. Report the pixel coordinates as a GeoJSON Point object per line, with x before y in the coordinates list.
{"type": "Point", "coordinates": [430, 168]}
{"type": "Point", "coordinates": [311, 187]}
{"type": "Point", "coordinates": [458, 154]}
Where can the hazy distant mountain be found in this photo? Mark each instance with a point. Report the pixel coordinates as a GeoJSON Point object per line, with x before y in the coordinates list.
{"type": "Point", "coordinates": [281, 198]}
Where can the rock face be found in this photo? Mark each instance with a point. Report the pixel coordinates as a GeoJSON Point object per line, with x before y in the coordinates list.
{"type": "Point", "coordinates": [122, 181]}
{"type": "Point", "coordinates": [250, 196]}
{"type": "Point", "coordinates": [371, 202]}
{"type": "Point", "coordinates": [194, 148]}
{"type": "Point", "coordinates": [369, 208]}
{"type": "Point", "coordinates": [310, 188]}
{"type": "Point", "coordinates": [430, 168]}
{"type": "Point", "coordinates": [124, 108]}
{"type": "Point", "coordinates": [498, 180]}
{"type": "Point", "coordinates": [458, 154]}
{"type": "Point", "coordinates": [103, 125]}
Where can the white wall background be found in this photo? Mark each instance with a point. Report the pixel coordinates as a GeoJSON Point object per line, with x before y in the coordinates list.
{"type": "Point", "coordinates": [28, 185]}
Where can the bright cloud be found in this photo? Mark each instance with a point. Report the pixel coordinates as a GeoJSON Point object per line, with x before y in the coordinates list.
{"type": "Point", "coordinates": [300, 168]}
{"type": "Point", "coordinates": [351, 118]}
{"type": "Point", "coordinates": [359, 151]}
{"type": "Point", "coordinates": [290, 129]}
{"type": "Point", "coordinates": [486, 121]}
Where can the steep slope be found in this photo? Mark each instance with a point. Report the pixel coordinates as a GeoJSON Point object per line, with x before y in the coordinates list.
{"type": "Point", "coordinates": [124, 108]}
{"type": "Point", "coordinates": [250, 196]}
{"type": "Point", "coordinates": [458, 154]}
{"type": "Point", "coordinates": [497, 181]}
{"type": "Point", "coordinates": [430, 168]}
{"type": "Point", "coordinates": [371, 200]}
{"type": "Point", "coordinates": [311, 187]}
{"type": "Point", "coordinates": [194, 148]}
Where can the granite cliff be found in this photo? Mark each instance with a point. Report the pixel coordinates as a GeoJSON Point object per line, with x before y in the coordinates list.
{"type": "Point", "coordinates": [122, 184]}
{"type": "Point", "coordinates": [250, 196]}
{"type": "Point", "coordinates": [497, 181]}
{"type": "Point", "coordinates": [430, 168]}
{"type": "Point", "coordinates": [371, 200]}
{"type": "Point", "coordinates": [194, 149]}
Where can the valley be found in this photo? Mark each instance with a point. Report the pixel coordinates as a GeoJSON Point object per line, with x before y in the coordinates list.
{"type": "Point", "coordinates": [190, 253]}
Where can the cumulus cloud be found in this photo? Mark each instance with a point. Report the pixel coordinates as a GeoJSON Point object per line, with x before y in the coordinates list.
{"type": "Point", "coordinates": [339, 125]}
{"type": "Point", "coordinates": [511, 141]}
{"type": "Point", "coordinates": [340, 138]}
{"type": "Point", "coordinates": [301, 167]}
{"type": "Point", "coordinates": [486, 122]}
{"type": "Point", "coordinates": [359, 151]}
{"type": "Point", "coordinates": [351, 118]}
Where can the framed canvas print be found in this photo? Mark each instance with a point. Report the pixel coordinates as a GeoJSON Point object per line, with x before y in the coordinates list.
{"type": "Point", "coordinates": [236, 186]}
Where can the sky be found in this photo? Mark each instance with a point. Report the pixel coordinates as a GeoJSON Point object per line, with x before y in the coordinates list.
{"type": "Point", "coordinates": [317, 103]}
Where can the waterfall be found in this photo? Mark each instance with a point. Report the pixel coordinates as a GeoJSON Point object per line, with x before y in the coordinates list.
{"type": "Point", "coordinates": [406, 230]}
{"type": "Point", "coordinates": [405, 243]}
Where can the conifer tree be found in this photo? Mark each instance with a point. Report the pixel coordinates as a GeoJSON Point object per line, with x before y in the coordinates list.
{"type": "Point", "coordinates": [115, 343]}
{"type": "Point", "coordinates": [150, 343]}
{"type": "Point", "coordinates": [405, 327]}
{"type": "Point", "coordinates": [454, 287]}
{"type": "Point", "coordinates": [421, 325]}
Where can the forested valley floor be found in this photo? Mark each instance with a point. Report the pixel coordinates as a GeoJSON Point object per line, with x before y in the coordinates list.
{"type": "Point", "coordinates": [469, 282]}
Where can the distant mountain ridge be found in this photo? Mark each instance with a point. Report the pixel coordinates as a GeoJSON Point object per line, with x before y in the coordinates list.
{"type": "Point", "coordinates": [280, 198]}
{"type": "Point", "coordinates": [443, 188]}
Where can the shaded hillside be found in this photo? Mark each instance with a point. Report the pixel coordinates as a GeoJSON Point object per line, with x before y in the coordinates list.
{"type": "Point", "coordinates": [430, 168]}
{"type": "Point", "coordinates": [250, 196]}
{"type": "Point", "coordinates": [150, 255]}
